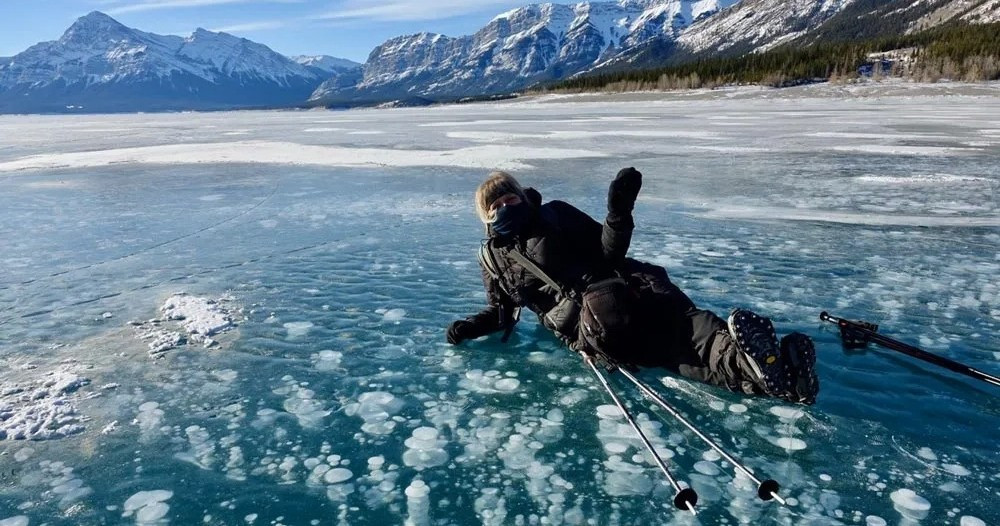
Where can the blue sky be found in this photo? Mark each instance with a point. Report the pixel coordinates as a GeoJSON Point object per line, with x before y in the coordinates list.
{"type": "Point", "coordinates": [342, 28]}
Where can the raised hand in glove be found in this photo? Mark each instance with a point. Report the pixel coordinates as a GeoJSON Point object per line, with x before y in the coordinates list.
{"type": "Point", "coordinates": [623, 191]}
{"type": "Point", "coordinates": [461, 330]}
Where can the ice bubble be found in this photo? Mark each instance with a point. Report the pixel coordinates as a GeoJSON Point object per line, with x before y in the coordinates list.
{"type": "Point", "coordinates": [425, 449]}
{"type": "Point", "coordinates": [537, 470]}
{"type": "Point", "coordinates": [951, 487]}
{"type": "Point", "coordinates": [789, 443]}
{"type": "Point", "coordinates": [417, 504]}
{"type": "Point", "coordinates": [393, 315]}
{"type": "Point", "coordinates": [339, 492]}
{"type": "Point", "coordinates": [23, 454]}
{"type": "Point", "coordinates": [19, 520]}
{"type": "Point", "coordinates": [153, 512]}
{"type": "Point", "coordinates": [555, 415]}
{"type": "Point", "coordinates": [825, 478]}
{"type": "Point", "coordinates": [615, 448]}
{"type": "Point", "coordinates": [829, 500]}
{"type": "Point", "coordinates": [148, 406]}
{"type": "Point", "coordinates": [507, 384]}
{"type": "Point", "coordinates": [711, 455]}
{"type": "Point", "coordinates": [327, 360]}
{"type": "Point", "coordinates": [147, 499]}
{"type": "Point", "coordinates": [966, 520]}
{"type": "Point", "coordinates": [608, 411]}
{"type": "Point", "coordinates": [298, 329]}
{"type": "Point", "coordinates": [786, 413]}
{"type": "Point", "coordinates": [717, 405]}
{"type": "Point", "coordinates": [956, 469]}
{"type": "Point", "coordinates": [909, 504]}
{"type": "Point", "coordinates": [874, 520]}
{"type": "Point", "coordinates": [623, 483]}
{"type": "Point", "coordinates": [738, 408]}
{"type": "Point", "coordinates": [926, 453]}
{"type": "Point", "coordinates": [706, 468]}
{"type": "Point", "coordinates": [417, 489]}
{"type": "Point", "coordinates": [337, 475]}
{"type": "Point", "coordinates": [225, 375]}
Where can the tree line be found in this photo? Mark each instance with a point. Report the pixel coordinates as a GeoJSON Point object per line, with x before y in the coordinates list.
{"type": "Point", "coordinates": [956, 51]}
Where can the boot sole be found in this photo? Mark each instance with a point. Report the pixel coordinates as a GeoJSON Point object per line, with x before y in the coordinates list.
{"type": "Point", "coordinates": [767, 363]}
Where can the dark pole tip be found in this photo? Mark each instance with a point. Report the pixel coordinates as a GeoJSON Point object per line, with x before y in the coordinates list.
{"type": "Point", "coordinates": [824, 316]}
{"type": "Point", "coordinates": [685, 496]}
{"type": "Point", "coordinates": [766, 488]}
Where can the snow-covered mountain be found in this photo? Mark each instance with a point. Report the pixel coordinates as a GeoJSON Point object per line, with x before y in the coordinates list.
{"type": "Point", "coordinates": [760, 25]}
{"type": "Point", "coordinates": [101, 65]}
{"type": "Point", "coordinates": [326, 63]}
{"type": "Point", "coordinates": [517, 49]}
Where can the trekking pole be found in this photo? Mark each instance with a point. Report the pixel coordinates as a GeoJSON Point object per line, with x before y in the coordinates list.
{"type": "Point", "coordinates": [685, 498]}
{"type": "Point", "coordinates": [869, 331]}
{"type": "Point", "coordinates": [766, 490]}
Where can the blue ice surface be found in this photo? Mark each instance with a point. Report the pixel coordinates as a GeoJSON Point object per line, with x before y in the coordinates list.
{"type": "Point", "coordinates": [347, 278]}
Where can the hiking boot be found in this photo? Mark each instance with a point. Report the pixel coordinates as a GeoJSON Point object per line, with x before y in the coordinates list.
{"type": "Point", "coordinates": [755, 337]}
{"type": "Point", "coordinates": [799, 354]}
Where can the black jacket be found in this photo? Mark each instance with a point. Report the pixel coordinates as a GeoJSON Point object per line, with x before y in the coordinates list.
{"type": "Point", "coordinates": [575, 250]}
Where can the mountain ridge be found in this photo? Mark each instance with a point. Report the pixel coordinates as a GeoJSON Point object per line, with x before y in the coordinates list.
{"type": "Point", "coordinates": [100, 64]}
{"type": "Point", "coordinates": [516, 49]}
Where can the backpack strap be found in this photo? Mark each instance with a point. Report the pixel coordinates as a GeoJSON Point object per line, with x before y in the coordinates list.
{"type": "Point", "coordinates": [533, 267]}
{"type": "Point", "coordinates": [489, 262]}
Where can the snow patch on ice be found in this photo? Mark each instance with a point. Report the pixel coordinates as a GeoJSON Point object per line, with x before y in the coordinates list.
{"type": "Point", "coordinates": [42, 409]}
{"type": "Point", "coordinates": [491, 156]}
{"type": "Point", "coordinates": [892, 149]}
{"type": "Point", "coordinates": [185, 319]}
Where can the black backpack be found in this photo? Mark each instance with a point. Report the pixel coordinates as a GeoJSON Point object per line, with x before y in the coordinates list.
{"type": "Point", "coordinates": [604, 311]}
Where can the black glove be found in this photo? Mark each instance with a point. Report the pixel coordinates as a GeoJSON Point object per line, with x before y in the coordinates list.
{"type": "Point", "coordinates": [623, 191]}
{"type": "Point", "coordinates": [460, 331]}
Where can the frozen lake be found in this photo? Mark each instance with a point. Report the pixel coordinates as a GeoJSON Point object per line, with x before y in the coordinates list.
{"type": "Point", "coordinates": [321, 255]}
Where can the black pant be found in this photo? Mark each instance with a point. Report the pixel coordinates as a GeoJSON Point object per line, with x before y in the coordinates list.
{"type": "Point", "coordinates": [700, 347]}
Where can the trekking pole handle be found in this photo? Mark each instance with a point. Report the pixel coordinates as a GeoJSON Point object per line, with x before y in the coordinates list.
{"type": "Point", "coordinates": [915, 352]}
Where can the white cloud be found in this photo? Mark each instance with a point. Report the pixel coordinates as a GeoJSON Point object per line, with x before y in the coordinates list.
{"type": "Point", "coordinates": [397, 10]}
{"type": "Point", "coordinates": [251, 26]}
{"type": "Point", "coordinates": [152, 5]}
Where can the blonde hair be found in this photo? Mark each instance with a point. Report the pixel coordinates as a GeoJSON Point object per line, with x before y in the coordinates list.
{"type": "Point", "coordinates": [496, 185]}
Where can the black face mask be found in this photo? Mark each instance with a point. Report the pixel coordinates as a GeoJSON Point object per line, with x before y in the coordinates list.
{"type": "Point", "coordinates": [511, 219]}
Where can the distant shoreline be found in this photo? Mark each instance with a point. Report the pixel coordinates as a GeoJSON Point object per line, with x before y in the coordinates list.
{"type": "Point", "coordinates": [892, 87]}
{"type": "Point", "coordinates": [860, 90]}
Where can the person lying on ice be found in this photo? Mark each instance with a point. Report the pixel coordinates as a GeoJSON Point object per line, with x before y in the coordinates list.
{"type": "Point", "coordinates": [572, 272]}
